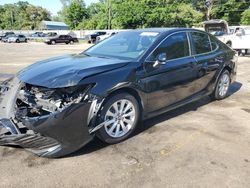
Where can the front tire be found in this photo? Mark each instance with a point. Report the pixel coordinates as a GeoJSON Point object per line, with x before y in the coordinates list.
{"type": "Point", "coordinates": [121, 114]}
{"type": "Point", "coordinates": [222, 86]}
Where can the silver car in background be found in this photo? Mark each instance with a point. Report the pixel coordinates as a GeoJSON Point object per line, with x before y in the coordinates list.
{"type": "Point", "coordinates": [17, 39]}
{"type": "Point", "coordinates": [103, 37]}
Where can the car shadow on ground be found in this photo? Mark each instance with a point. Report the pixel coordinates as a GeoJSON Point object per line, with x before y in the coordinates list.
{"type": "Point", "coordinates": [96, 144]}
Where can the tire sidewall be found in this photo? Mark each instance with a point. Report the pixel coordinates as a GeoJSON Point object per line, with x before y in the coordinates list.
{"type": "Point", "coordinates": [102, 134]}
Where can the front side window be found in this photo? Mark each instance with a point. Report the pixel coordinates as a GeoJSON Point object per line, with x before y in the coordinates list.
{"type": "Point", "coordinates": [125, 45]}
{"type": "Point", "coordinates": [174, 47]}
{"type": "Point", "coordinates": [201, 43]}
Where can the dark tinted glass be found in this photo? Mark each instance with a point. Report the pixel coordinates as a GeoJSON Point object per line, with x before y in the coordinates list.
{"type": "Point", "coordinates": [128, 45]}
{"type": "Point", "coordinates": [214, 43]}
{"type": "Point", "coordinates": [175, 46]}
{"type": "Point", "coordinates": [201, 43]}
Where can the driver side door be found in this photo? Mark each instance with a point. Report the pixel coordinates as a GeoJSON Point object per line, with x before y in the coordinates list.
{"type": "Point", "coordinates": [173, 80]}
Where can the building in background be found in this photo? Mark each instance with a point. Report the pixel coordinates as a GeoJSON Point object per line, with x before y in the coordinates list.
{"type": "Point", "coordinates": [51, 25]}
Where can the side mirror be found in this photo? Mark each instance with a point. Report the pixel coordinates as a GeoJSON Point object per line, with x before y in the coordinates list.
{"type": "Point", "coordinates": [161, 59]}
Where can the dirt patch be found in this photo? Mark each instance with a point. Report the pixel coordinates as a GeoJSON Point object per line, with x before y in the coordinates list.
{"type": "Point", "coordinates": [246, 110]}
{"type": "Point", "coordinates": [34, 161]}
{"type": "Point", "coordinates": [6, 152]}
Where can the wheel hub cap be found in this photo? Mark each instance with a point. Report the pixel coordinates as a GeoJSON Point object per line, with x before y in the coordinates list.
{"type": "Point", "coordinates": [119, 118]}
{"type": "Point", "coordinates": [224, 85]}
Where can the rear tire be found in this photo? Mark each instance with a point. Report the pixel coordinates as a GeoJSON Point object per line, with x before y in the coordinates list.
{"type": "Point", "coordinates": [121, 112]}
{"type": "Point", "coordinates": [222, 86]}
{"type": "Point", "coordinates": [53, 42]}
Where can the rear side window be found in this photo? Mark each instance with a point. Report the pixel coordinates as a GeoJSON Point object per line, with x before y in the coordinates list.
{"type": "Point", "coordinates": [201, 43]}
{"type": "Point", "coordinates": [176, 46]}
{"type": "Point", "coordinates": [214, 43]}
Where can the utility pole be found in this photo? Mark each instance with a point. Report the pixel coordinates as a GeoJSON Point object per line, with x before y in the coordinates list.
{"type": "Point", "coordinates": [109, 4]}
{"type": "Point", "coordinates": [209, 5]}
{"type": "Point", "coordinates": [12, 18]}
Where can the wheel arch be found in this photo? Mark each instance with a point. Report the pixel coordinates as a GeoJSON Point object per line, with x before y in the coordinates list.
{"type": "Point", "coordinates": [132, 92]}
{"type": "Point", "coordinates": [227, 67]}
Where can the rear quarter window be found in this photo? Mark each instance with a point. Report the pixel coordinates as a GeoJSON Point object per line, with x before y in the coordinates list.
{"type": "Point", "coordinates": [214, 43]}
{"type": "Point", "coordinates": [201, 43]}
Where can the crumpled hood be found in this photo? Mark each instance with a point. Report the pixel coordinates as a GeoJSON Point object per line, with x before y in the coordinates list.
{"type": "Point", "coordinates": [66, 71]}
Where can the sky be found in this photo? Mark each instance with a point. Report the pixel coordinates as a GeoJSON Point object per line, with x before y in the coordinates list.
{"type": "Point", "coordinates": [52, 5]}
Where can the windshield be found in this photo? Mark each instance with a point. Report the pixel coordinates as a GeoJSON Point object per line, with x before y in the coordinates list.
{"type": "Point", "coordinates": [12, 35]}
{"type": "Point", "coordinates": [125, 45]}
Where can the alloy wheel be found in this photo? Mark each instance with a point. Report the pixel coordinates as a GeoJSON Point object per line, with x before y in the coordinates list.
{"type": "Point", "coordinates": [120, 118]}
{"type": "Point", "coordinates": [224, 85]}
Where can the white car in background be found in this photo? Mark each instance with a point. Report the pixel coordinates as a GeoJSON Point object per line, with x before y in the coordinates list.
{"type": "Point", "coordinates": [102, 37]}
{"type": "Point", "coordinates": [237, 37]}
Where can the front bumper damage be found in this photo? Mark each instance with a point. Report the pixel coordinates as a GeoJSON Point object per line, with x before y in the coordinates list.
{"type": "Point", "coordinates": [52, 135]}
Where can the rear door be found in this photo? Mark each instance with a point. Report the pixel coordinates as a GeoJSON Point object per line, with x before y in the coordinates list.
{"type": "Point", "coordinates": [172, 81]}
{"type": "Point", "coordinates": [209, 58]}
{"type": "Point", "coordinates": [21, 38]}
{"type": "Point", "coordinates": [61, 39]}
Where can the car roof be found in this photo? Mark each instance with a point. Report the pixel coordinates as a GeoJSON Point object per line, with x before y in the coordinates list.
{"type": "Point", "coordinates": [166, 30]}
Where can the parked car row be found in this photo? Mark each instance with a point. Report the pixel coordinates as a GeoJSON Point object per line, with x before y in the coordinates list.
{"type": "Point", "coordinates": [49, 38]}
{"type": "Point", "coordinates": [12, 37]}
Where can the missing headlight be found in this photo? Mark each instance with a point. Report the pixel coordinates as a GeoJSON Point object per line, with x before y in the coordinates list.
{"type": "Point", "coordinates": [33, 101]}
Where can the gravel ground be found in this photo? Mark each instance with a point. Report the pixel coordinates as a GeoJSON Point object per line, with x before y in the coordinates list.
{"type": "Point", "coordinates": [203, 144]}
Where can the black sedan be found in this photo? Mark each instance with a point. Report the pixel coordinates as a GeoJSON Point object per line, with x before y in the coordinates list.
{"type": "Point", "coordinates": [56, 106]}
{"type": "Point", "coordinates": [67, 39]}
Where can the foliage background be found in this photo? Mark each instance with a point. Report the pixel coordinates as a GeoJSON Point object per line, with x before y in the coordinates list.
{"type": "Point", "coordinates": [127, 14]}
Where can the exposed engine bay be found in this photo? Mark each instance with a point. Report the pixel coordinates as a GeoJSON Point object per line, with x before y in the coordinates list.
{"type": "Point", "coordinates": [42, 120]}
{"type": "Point", "coordinates": [35, 101]}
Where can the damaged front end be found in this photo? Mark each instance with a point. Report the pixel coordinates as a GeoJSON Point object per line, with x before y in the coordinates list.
{"type": "Point", "coordinates": [48, 122]}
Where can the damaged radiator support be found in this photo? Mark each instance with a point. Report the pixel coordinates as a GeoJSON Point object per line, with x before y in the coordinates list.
{"type": "Point", "coordinates": [37, 101]}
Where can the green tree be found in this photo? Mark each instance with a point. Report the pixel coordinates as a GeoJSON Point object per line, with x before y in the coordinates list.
{"type": "Point", "coordinates": [22, 15]}
{"type": "Point", "coordinates": [229, 10]}
{"type": "Point", "coordinates": [74, 12]}
{"type": "Point", "coordinates": [245, 19]}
